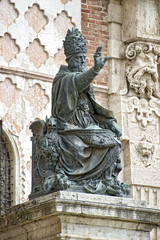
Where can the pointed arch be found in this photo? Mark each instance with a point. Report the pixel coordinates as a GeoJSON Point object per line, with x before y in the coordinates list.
{"type": "Point", "coordinates": [9, 170]}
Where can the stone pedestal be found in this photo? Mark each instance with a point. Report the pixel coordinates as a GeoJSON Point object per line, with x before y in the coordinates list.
{"type": "Point", "coordinates": [70, 215]}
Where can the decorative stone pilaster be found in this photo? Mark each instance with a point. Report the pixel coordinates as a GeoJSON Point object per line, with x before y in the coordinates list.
{"type": "Point", "coordinates": [134, 83]}
{"type": "Point", "coordinates": [141, 111]}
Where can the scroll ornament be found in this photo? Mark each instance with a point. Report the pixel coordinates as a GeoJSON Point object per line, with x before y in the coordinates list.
{"type": "Point", "coordinates": [142, 69]}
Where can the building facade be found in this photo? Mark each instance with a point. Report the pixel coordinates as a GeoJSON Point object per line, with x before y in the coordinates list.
{"type": "Point", "coordinates": [31, 52]}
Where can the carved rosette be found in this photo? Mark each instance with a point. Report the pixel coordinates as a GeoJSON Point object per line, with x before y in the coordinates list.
{"type": "Point", "coordinates": [142, 68]}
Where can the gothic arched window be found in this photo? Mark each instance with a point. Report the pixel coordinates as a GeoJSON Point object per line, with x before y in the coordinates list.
{"type": "Point", "coordinates": [6, 173]}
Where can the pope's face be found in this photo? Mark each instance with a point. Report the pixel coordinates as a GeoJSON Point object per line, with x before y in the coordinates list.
{"type": "Point", "coordinates": [77, 63]}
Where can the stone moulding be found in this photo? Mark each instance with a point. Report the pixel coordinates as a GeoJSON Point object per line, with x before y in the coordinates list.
{"type": "Point", "coordinates": [26, 74]}
{"type": "Point", "coordinates": [73, 211]}
{"type": "Point", "coordinates": [40, 76]}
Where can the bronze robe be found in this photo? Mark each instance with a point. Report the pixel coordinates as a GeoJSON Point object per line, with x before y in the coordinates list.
{"type": "Point", "coordinates": [88, 151]}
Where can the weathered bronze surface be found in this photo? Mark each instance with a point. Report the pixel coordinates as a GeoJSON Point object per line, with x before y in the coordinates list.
{"type": "Point", "coordinates": [78, 147]}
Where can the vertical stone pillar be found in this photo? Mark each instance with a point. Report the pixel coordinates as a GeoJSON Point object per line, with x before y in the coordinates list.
{"type": "Point", "coordinates": [116, 62]}
{"type": "Point", "coordinates": [134, 90]}
{"type": "Point", "coordinates": [114, 45]}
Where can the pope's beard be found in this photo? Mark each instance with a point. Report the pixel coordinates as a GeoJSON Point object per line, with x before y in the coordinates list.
{"type": "Point", "coordinates": [78, 68]}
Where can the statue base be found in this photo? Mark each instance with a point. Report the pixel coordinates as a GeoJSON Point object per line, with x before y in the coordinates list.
{"type": "Point", "coordinates": [72, 215]}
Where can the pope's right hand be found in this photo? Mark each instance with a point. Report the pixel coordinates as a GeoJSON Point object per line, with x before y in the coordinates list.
{"type": "Point", "coordinates": [98, 62]}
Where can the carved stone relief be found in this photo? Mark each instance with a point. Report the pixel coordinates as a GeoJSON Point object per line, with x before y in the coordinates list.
{"type": "Point", "coordinates": [145, 149]}
{"type": "Point", "coordinates": [41, 55]}
{"type": "Point", "coordinates": [142, 68]}
{"type": "Point", "coordinates": [8, 13]}
{"type": "Point", "coordinates": [36, 18]}
{"type": "Point", "coordinates": [8, 47]}
{"type": "Point", "coordinates": [145, 110]}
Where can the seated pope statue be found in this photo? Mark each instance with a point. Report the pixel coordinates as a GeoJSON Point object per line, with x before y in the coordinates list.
{"type": "Point", "coordinates": [88, 133]}
{"type": "Point", "coordinates": [78, 148]}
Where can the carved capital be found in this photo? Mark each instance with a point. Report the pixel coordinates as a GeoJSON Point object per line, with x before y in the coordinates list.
{"type": "Point", "coordinates": [142, 68]}
{"type": "Point", "coordinates": [136, 48]}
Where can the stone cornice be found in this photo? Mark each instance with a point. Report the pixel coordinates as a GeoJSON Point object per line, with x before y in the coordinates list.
{"type": "Point", "coordinates": [141, 39]}
{"type": "Point", "coordinates": [72, 203]}
{"type": "Point", "coordinates": [26, 74]}
{"type": "Point", "coordinates": [41, 76]}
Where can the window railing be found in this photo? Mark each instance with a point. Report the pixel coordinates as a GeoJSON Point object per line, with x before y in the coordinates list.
{"type": "Point", "coordinates": [5, 174]}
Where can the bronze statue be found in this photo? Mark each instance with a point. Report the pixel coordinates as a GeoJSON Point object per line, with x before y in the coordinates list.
{"type": "Point", "coordinates": [78, 147]}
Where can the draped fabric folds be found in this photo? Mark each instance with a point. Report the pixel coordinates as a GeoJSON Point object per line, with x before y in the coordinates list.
{"type": "Point", "coordinates": [88, 151]}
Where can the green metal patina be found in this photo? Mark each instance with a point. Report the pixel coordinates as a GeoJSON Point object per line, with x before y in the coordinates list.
{"type": "Point", "coordinates": [78, 147]}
